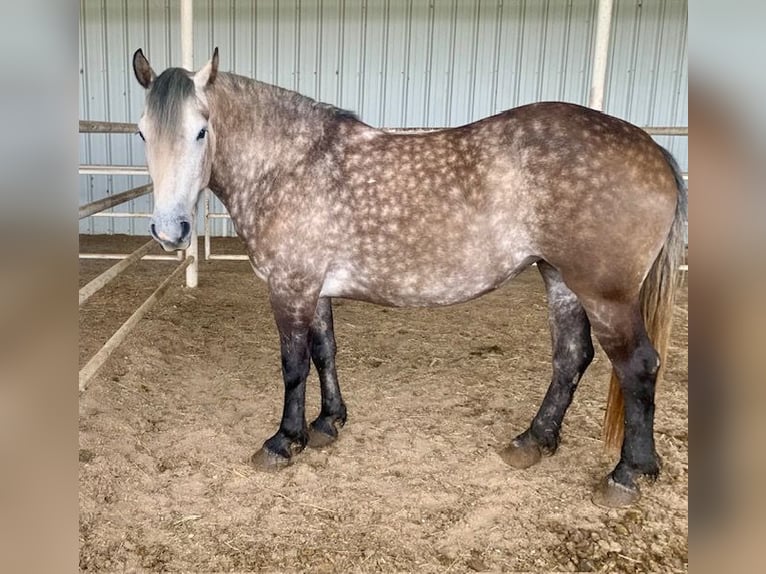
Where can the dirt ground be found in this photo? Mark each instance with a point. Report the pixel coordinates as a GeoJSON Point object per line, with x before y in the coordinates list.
{"type": "Point", "coordinates": [415, 483]}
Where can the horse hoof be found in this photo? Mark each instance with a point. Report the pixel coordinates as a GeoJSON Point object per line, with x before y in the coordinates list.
{"type": "Point", "coordinates": [268, 461]}
{"type": "Point", "coordinates": [611, 494]}
{"type": "Point", "coordinates": [319, 439]}
{"type": "Point", "coordinates": [520, 454]}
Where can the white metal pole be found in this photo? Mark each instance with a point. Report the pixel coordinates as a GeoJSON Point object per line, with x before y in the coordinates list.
{"type": "Point", "coordinates": [207, 224]}
{"type": "Point", "coordinates": [187, 61]}
{"type": "Point", "coordinates": [600, 54]}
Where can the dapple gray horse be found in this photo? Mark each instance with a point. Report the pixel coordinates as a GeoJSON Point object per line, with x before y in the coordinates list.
{"type": "Point", "coordinates": [331, 207]}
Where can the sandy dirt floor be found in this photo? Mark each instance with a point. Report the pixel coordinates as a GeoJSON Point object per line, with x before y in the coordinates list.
{"type": "Point", "coordinates": [415, 482]}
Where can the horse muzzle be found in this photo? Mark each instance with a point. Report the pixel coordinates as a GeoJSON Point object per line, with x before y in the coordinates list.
{"type": "Point", "coordinates": [172, 234]}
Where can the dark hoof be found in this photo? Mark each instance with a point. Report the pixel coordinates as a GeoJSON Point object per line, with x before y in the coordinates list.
{"type": "Point", "coordinates": [521, 453]}
{"type": "Point", "coordinates": [612, 494]}
{"type": "Point", "coordinates": [319, 439]}
{"type": "Point", "coordinates": [324, 431]}
{"type": "Point", "coordinates": [267, 461]}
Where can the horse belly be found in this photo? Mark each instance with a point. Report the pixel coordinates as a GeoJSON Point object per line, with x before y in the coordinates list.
{"type": "Point", "coordinates": [444, 252]}
{"type": "Point", "coordinates": [426, 286]}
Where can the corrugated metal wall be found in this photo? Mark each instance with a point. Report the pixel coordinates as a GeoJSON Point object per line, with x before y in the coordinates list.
{"type": "Point", "coordinates": [397, 63]}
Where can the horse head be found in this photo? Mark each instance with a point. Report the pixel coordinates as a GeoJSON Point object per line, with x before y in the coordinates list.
{"type": "Point", "coordinates": [180, 144]}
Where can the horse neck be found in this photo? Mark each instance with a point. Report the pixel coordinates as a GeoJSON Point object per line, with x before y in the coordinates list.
{"type": "Point", "coordinates": [261, 130]}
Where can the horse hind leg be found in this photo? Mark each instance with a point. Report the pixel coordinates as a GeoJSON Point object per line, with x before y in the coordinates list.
{"type": "Point", "coordinates": [324, 429]}
{"type": "Point", "coordinates": [572, 353]}
{"type": "Point", "coordinates": [619, 327]}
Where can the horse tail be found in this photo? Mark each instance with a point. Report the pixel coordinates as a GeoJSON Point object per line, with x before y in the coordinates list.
{"type": "Point", "coordinates": [657, 298]}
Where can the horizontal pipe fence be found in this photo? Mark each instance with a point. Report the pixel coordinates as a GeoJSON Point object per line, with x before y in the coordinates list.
{"type": "Point", "coordinates": [96, 208]}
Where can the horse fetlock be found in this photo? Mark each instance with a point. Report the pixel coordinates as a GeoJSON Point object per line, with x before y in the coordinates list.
{"type": "Point", "coordinates": [546, 437]}
{"type": "Point", "coordinates": [340, 418]}
{"type": "Point", "coordinates": [649, 468]}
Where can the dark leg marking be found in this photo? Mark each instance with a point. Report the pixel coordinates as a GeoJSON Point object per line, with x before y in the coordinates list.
{"type": "Point", "coordinates": [572, 353]}
{"type": "Point", "coordinates": [620, 330]}
{"type": "Point", "coordinates": [295, 340]}
{"type": "Point", "coordinates": [324, 430]}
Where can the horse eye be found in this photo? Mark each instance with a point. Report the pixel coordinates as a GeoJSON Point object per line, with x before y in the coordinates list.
{"type": "Point", "coordinates": [140, 133]}
{"type": "Point", "coordinates": [201, 134]}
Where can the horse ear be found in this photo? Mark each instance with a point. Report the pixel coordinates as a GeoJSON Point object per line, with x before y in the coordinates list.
{"type": "Point", "coordinates": [207, 75]}
{"type": "Point", "coordinates": [144, 73]}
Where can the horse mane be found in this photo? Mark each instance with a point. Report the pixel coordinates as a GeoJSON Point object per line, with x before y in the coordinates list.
{"type": "Point", "coordinates": [286, 99]}
{"type": "Point", "coordinates": [166, 97]}
{"type": "Point", "coordinates": [343, 114]}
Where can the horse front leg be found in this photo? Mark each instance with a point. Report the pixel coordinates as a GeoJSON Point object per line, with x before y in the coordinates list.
{"type": "Point", "coordinates": [293, 312]}
{"type": "Point", "coordinates": [324, 429]}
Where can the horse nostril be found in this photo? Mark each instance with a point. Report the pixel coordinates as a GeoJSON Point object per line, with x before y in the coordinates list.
{"type": "Point", "coordinates": [153, 231]}
{"type": "Point", "coordinates": [185, 230]}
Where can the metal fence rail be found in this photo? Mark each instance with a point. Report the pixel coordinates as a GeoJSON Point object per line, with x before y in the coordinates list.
{"type": "Point", "coordinates": [96, 208]}
{"type": "Point", "coordinates": [189, 263]}
{"type": "Point", "coordinates": [97, 361]}
{"type": "Point", "coordinates": [96, 284]}
{"type": "Point", "coordinates": [107, 202]}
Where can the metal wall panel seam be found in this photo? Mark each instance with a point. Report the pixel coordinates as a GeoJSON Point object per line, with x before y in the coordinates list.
{"type": "Point", "coordinates": [679, 59]}
{"type": "Point", "coordinates": [85, 82]}
{"type": "Point", "coordinates": [630, 87]}
{"type": "Point", "coordinates": [655, 62]}
{"type": "Point", "coordinates": [542, 52]}
{"type": "Point", "coordinates": [384, 64]}
{"type": "Point", "coordinates": [109, 189]}
{"type": "Point", "coordinates": [339, 64]}
{"type": "Point", "coordinates": [131, 205]}
{"type": "Point", "coordinates": [254, 39]}
{"type": "Point", "coordinates": [496, 56]}
{"type": "Point", "coordinates": [429, 65]}
{"type": "Point", "coordinates": [275, 45]}
{"type": "Point", "coordinates": [451, 70]}
{"type": "Point", "coordinates": [168, 43]}
{"type": "Point", "coordinates": [564, 56]}
{"type": "Point", "coordinates": [297, 47]}
{"type": "Point", "coordinates": [318, 58]}
{"type": "Point", "coordinates": [472, 74]}
{"type": "Point", "coordinates": [147, 34]}
{"type": "Point", "coordinates": [406, 66]}
{"type": "Point", "coordinates": [519, 53]}
{"type": "Point", "coordinates": [232, 37]}
{"type": "Point", "coordinates": [588, 54]}
{"type": "Point", "coordinates": [362, 61]}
